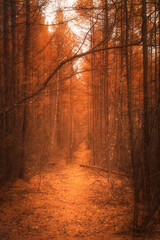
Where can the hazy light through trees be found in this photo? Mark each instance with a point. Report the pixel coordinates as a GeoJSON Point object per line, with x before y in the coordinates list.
{"type": "Point", "coordinates": [83, 71]}
{"type": "Point", "coordinates": [79, 30]}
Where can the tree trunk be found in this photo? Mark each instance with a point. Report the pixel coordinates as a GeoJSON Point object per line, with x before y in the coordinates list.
{"type": "Point", "coordinates": [130, 122]}
{"type": "Point", "coordinates": [6, 62]}
{"type": "Point", "coordinates": [25, 88]}
{"type": "Point", "coordinates": [106, 108]}
{"type": "Point", "coordinates": [70, 121]}
{"type": "Point", "coordinates": [145, 104]}
{"type": "Point", "coordinates": [13, 26]}
{"type": "Point", "coordinates": [93, 87]}
{"type": "Point", "coordinates": [158, 120]}
{"type": "Point", "coordinates": [121, 85]}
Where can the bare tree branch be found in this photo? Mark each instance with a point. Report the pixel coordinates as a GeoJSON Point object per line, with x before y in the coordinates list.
{"type": "Point", "coordinates": [62, 63]}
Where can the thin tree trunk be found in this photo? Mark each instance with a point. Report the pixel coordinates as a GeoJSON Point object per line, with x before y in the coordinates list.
{"type": "Point", "coordinates": [93, 87]}
{"type": "Point", "coordinates": [25, 88]}
{"type": "Point", "coordinates": [59, 111]}
{"type": "Point", "coordinates": [56, 110]}
{"type": "Point", "coordinates": [121, 85]}
{"type": "Point", "coordinates": [6, 62]}
{"type": "Point", "coordinates": [6, 84]}
{"type": "Point", "coordinates": [13, 70]}
{"type": "Point", "coordinates": [158, 120]}
{"type": "Point", "coordinates": [155, 46]}
{"type": "Point", "coordinates": [13, 26]}
{"type": "Point", "coordinates": [145, 104]}
{"type": "Point", "coordinates": [106, 109]}
{"type": "Point", "coordinates": [6, 49]}
{"type": "Point", "coordinates": [71, 122]}
{"type": "Point", "coordinates": [130, 122]}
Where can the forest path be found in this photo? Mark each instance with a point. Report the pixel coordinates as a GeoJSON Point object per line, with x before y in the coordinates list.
{"type": "Point", "coordinates": [69, 202]}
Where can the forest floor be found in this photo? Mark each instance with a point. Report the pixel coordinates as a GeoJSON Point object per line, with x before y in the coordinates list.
{"type": "Point", "coordinates": [67, 202]}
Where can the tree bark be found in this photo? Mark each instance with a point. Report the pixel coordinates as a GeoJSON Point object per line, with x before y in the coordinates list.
{"type": "Point", "coordinates": [13, 27]}
{"type": "Point", "coordinates": [70, 119]}
{"type": "Point", "coordinates": [6, 66]}
{"type": "Point", "coordinates": [106, 109]}
{"type": "Point", "coordinates": [25, 88]}
{"type": "Point", "coordinates": [145, 104]}
{"type": "Point", "coordinates": [6, 75]}
{"type": "Point", "coordinates": [130, 122]}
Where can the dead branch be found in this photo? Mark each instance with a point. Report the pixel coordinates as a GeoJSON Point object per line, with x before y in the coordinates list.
{"type": "Point", "coordinates": [63, 62]}
{"type": "Point", "coordinates": [105, 170]}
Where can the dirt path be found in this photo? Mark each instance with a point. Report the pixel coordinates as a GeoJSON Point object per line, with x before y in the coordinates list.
{"type": "Point", "coordinates": [70, 202]}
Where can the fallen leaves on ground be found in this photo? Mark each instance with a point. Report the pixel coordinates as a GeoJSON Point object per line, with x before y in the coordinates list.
{"type": "Point", "coordinates": [67, 202]}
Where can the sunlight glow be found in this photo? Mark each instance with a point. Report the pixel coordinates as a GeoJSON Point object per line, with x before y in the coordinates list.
{"type": "Point", "coordinates": [70, 15]}
{"type": "Point", "coordinates": [78, 29]}
{"type": "Point", "coordinates": [50, 11]}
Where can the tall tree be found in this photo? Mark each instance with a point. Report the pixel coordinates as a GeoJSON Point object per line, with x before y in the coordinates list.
{"type": "Point", "coordinates": [13, 27]}
{"type": "Point", "coordinates": [145, 102]}
{"type": "Point", "coordinates": [25, 86]}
